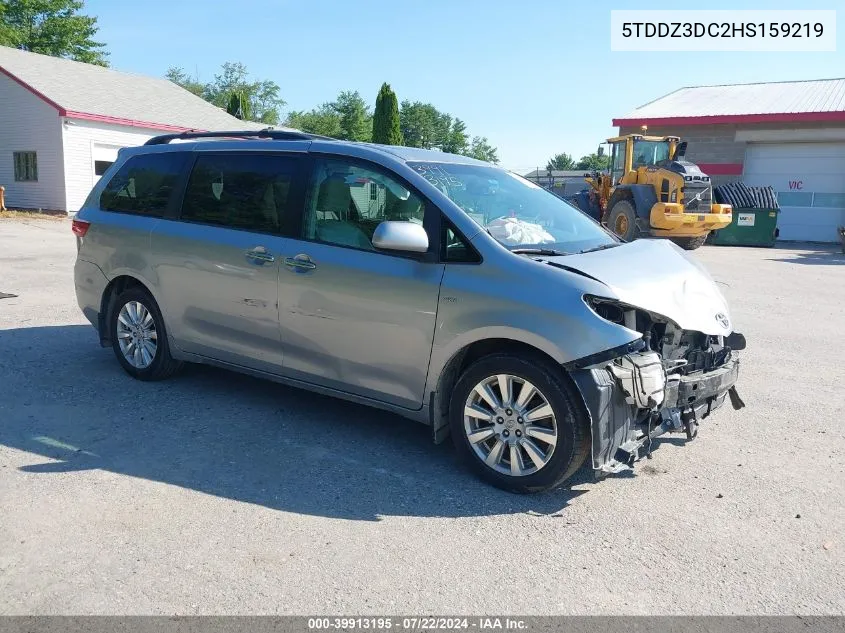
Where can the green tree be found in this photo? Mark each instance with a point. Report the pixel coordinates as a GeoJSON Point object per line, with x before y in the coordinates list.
{"type": "Point", "coordinates": [356, 121]}
{"type": "Point", "coordinates": [421, 124]}
{"type": "Point", "coordinates": [8, 35]}
{"type": "Point", "coordinates": [594, 162]}
{"type": "Point", "coordinates": [386, 128]}
{"type": "Point", "coordinates": [51, 27]}
{"type": "Point", "coordinates": [347, 117]}
{"type": "Point", "coordinates": [239, 106]}
{"type": "Point", "coordinates": [456, 139]}
{"type": "Point", "coordinates": [425, 126]}
{"type": "Point", "coordinates": [562, 162]}
{"type": "Point", "coordinates": [263, 98]}
{"type": "Point", "coordinates": [181, 78]}
{"type": "Point", "coordinates": [323, 120]}
{"type": "Point", "coordinates": [481, 149]}
{"type": "Point", "coordinates": [266, 101]}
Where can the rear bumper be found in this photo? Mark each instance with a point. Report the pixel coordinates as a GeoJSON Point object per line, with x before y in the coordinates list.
{"type": "Point", "coordinates": [90, 284]}
{"type": "Point", "coordinates": [621, 433]}
{"type": "Point", "coordinates": [667, 216]}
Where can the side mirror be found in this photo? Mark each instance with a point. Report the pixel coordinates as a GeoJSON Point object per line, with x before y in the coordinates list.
{"type": "Point", "coordinates": [400, 236]}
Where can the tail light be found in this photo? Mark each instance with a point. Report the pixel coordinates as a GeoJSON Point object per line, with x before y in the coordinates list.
{"type": "Point", "coordinates": [80, 227]}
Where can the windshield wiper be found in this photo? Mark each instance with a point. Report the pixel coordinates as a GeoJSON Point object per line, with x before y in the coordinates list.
{"type": "Point", "coordinates": [600, 247]}
{"type": "Point", "coordinates": [537, 251]}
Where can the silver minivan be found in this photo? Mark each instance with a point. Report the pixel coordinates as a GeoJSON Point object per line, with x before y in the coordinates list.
{"type": "Point", "coordinates": [442, 288]}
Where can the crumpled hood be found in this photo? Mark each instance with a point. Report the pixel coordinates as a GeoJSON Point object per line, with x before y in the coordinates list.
{"type": "Point", "coordinates": [660, 277]}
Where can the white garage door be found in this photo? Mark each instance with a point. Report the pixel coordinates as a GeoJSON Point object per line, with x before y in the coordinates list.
{"type": "Point", "coordinates": [810, 181]}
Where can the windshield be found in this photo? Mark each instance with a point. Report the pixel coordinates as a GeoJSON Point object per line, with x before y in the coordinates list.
{"type": "Point", "coordinates": [518, 213]}
{"type": "Point", "coordinates": [650, 153]}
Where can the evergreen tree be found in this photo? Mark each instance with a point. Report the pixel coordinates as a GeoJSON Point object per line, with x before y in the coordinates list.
{"type": "Point", "coordinates": [238, 106]}
{"type": "Point", "coordinates": [386, 128]}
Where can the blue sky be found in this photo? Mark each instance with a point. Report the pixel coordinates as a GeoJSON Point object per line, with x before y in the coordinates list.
{"type": "Point", "coordinates": [536, 77]}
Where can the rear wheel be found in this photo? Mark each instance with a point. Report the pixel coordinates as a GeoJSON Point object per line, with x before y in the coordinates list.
{"type": "Point", "coordinates": [623, 220]}
{"type": "Point", "coordinates": [690, 243]}
{"type": "Point", "coordinates": [139, 339]}
{"type": "Point", "coordinates": [517, 423]}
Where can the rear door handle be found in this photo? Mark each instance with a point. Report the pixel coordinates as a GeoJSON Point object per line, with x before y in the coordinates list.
{"type": "Point", "coordinates": [260, 254]}
{"type": "Point", "coordinates": [300, 262]}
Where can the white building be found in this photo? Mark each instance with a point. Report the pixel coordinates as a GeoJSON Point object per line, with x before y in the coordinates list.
{"type": "Point", "coordinates": [62, 123]}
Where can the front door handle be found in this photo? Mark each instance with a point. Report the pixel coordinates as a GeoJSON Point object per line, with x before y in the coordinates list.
{"type": "Point", "coordinates": [300, 262]}
{"type": "Point", "coordinates": [259, 255]}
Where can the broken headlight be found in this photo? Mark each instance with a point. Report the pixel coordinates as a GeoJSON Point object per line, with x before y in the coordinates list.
{"type": "Point", "coordinates": [651, 326]}
{"type": "Point", "coordinates": [608, 309]}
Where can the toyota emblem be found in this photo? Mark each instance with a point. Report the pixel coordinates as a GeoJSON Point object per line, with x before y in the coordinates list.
{"type": "Point", "coordinates": [723, 320]}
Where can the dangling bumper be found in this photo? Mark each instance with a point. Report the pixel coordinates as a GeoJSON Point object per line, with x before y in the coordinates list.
{"type": "Point", "coordinates": [622, 432]}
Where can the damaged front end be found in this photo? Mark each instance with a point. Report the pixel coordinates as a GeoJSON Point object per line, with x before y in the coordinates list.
{"type": "Point", "coordinates": [668, 381]}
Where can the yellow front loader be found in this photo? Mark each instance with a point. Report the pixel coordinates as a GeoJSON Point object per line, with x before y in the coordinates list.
{"type": "Point", "coordinates": [651, 191]}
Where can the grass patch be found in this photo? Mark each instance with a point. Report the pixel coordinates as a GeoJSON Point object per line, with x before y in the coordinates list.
{"type": "Point", "coordinates": [29, 214]}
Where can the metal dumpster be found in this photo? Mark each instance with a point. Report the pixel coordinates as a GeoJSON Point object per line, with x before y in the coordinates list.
{"type": "Point", "coordinates": [749, 227]}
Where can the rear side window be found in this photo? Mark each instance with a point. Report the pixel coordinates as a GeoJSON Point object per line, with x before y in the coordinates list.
{"type": "Point", "coordinates": [240, 191]}
{"type": "Point", "coordinates": [144, 185]}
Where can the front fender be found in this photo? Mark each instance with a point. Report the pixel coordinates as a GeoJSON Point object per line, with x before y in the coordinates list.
{"type": "Point", "coordinates": [528, 302]}
{"type": "Point", "coordinates": [643, 196]}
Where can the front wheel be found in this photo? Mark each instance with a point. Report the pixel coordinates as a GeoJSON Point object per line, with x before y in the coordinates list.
{"type": "Point", "coordinates": [622, 220]}
{"type": "Point", "coordinates": [517, 423]}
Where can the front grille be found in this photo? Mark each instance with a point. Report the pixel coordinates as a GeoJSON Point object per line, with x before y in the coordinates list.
{"type": "Point", "coordinates": [697, 199]}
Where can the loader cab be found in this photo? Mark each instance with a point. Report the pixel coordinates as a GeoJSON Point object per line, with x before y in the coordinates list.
{"type": "Point", "coordinates": [650, 153]}
{"type": "Point", "coordinates": [629, 153]}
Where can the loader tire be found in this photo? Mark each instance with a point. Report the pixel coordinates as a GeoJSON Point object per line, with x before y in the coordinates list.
{"type": "Point", "coordinates": [622, 220]}
{"type": "Point", "coordinates": [690, 243]}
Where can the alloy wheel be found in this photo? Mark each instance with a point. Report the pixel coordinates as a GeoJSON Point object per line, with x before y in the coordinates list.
{"type": "Point", "coordinates": [510, 425]}
{"type": "Point", "coordinates": [137, 335]}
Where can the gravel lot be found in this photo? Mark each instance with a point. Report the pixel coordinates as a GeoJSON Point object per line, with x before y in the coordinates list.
{"type": "Point", "coordinates": [219, 493]}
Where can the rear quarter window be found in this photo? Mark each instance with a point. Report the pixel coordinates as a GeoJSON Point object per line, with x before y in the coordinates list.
{"type": "Point", "coordinates": [144, 185]}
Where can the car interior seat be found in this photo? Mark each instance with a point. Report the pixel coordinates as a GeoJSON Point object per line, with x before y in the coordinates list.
{"type": "Point", "coordinates": [337, 215]}
{"type": "Point", "coordinates": [403, 210]}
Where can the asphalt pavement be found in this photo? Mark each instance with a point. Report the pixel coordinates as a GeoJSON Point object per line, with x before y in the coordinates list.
{"type": "Point", "coordinates": [216, 493]}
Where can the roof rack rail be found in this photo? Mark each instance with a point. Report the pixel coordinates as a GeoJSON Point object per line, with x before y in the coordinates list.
{"type": "Point", "coordinates": [268, 133]}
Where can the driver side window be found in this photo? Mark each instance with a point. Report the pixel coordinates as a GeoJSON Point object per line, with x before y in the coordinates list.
{"type": "Point", "coordinates": [347, 202]}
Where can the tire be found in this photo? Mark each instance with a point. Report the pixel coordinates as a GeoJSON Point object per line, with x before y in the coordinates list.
{"type": "Point", "coordinates": [161, 364]}
{"type": "Point", "coordinates": [690, 243]}
{"type": "Point", "coordinates": [622, 220]}
{"type": "Point", "coordinates": [557, 460]}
